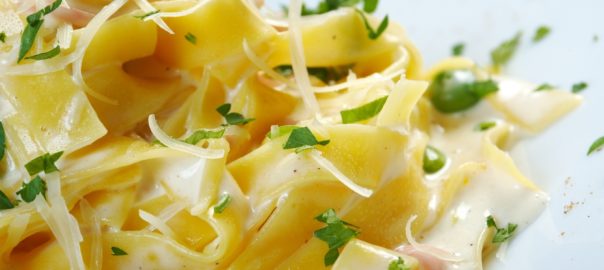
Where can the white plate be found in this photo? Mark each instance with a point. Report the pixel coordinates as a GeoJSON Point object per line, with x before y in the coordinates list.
{"type": "Point", "coordinates": [574, 240]}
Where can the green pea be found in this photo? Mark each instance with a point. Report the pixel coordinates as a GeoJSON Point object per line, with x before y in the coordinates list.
{"type": "Point", "coordinates": [434, 160]}
{"type": "Point", "coordinates": [458, 90]}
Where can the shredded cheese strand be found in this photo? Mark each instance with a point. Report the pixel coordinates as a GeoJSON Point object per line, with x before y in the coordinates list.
{"type": "Point", "coordinates": [167, 213]}
{"type": "Point", "coordinates": [325, 163]}
{"type": "Point", "coordinates": [298, 60]}
{"type": "Point", "coordinates": [181, 146]}
{"type": "Point", "coordinates": [157, 223]}
{"type": "Point", "coordinates": [145, 6]}
{"type": "Point", "coordinates": [181, 13]}
{"type": "Point", "coordinates": [94, 226]}
{"type": "Point", "coordinates": [260, 64]}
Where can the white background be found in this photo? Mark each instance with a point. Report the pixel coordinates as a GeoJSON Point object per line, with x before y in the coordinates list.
{"type": "Point", "coordinates": [568, 55]}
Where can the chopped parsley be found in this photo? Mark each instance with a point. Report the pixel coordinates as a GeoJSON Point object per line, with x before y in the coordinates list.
{"type": "Point", "coordinates": [398, 264]}
{"type": "Point", "coordinates": [596, 145]}
{"type": "Point", "coordinates": [44, 163]}
{"type": "Point", "coordinates": [578, 87]}
{"type": "Point", "coordinates": [278, 131]}
{"type": "Point", "coordinates": [458, 90]}
{"type": "Point", "coordinates": [29, 191]}
{"type": "Point", "coordinates": [222, 204]}
{"type": "Point", "coordinates": [325, 74]}
{"type": "Point", "coordinates": [115, 251]}
{"type": "Point", "coordinates": [203, 134]}
{"type": "Point", "coordinates": [371, 33]}
{"type": "Point", "coordinates": [501, 234]}
{"type": "Point", "coordinates": [544, 87]}
{"type": "Point", "coordinates": [34, 22]}
{"type": "Point", "coordinates": [329, 5]}
{"type": "Point", "coordinates": [46, 55]}
{"type": "Point", "coordinates": [485, 126]}
{"type": "Point", "coordinates": [363, 112]}
{"type": "Point", "coordinates": [434, 159]}
{"type": "Point", "coordinates": [232, 118]}
{"type": "Point", "coordinates": [336, 234]}
{"type": "Point", "coordinates": [144, 16]}
{"type": "Point", "coordinates": [302, 139]}
{"type": "Point", "coordinates": [191, 38]}
{"type": "Point", "coordinates": [504, 52]}
{"type": "Point", "coordinates": [458, 49]}
{"type": "Point", "coordinates": [2, 37]}
{"type": "Point", "coordinates": [541, 33]}
{"type": "Point", "coordinates": [2, 141]}
{"type": "Point", "coordinates": [5, 202]}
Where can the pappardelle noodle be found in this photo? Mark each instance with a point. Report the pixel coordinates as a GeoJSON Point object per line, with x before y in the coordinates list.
{"type": "Point", "coordinates": [222, 134]}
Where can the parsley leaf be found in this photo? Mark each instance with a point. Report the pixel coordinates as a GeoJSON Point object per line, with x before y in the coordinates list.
{"type": "Point", "coordinates": [115, 251]}
{"type": "Point", "coordinates": [34, 22]}
{"type": "Point", "coordinates": [504, 52]}
{"type": "Point", "coordinates": [329, 5]}
{"type": "Point", "coordinates": [46, 55]}
{"type": "Point", "coordinates": [191, 38]}
{"type": "Point", "coordinates": [544, 87]}
{"type": "Point", "coordinates": [596, 145]}
{"type": "Point", "coordinates": [485, 126]}
{"type": "Point", "coordinates": [29, 191]}
{"type": "Point", "coordinates": [374, 34]}
{"type": "Point", "coordinates": [2, 37]}
{"type": "Point", "coordinates": [541, 33]}
{"type": "Point", "coordinates": [458, 49]}
{"type": "Point", "coordinates": [222, 204]}
{"type": "Point", "coordinates": [578, 87]}
{"type": "Point", "coordinates": [398, 264]}
{"type": "Point", "coordinates": [302, 139]}
{"type": "Point", "coordinates": [204, 135]}
{"type": "Point", "coordinates": [5, 202]}
{"type": "Point", "coordinates": [325, 74]}
{"type": "Point", "coordinates": [44, 163]}
{"type": "Point", "coordinates": [363, 112]}
{"type": "Point", "coordinates": [370, 6]}
{"type": "Point", "coordinates": [501, 234]}
{"type": "Point", "coordinates": [458, 90]}
{"type": "Point", "coordinates": [2, 141]}
{"type": "Point", "coordinates": [434, 159]}
{"type": "Point", "coordinates": [336, 234]}
{"type": "Point", "coordinates": [232, 118]}
{"type": "Point", "coordinates": [142, 17]}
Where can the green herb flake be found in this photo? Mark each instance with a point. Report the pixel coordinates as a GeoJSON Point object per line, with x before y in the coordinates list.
{"type": "Point", "coordinates": [485, 126]}
{"type": "Point", "coordinates": [115, 251]}
{"type": "Point", "coordinates": [371, 33]}
{"type": "Point", "coordinates": [232, 118]}
{"type": "Point", "coordinates": [2, 37]}
{"type": "Point", "coordinates": [29, 191]}
{"type": "Point", "coordinates": [144, 16]}
{"type": "Point", "coordinates": [434, 159]}
{"type": "Point", "coordinates": [541, 33]}
{"type": "Point", "coordinates": [578, 87]}
{"type": "Point", "coordinates": [222, 204]}
{"type": "Point", "coordinates": [191, 38]}
{"type": "Point", "coordinates": [336, 234]}
{"type": "Point", "coordinates": [2, 141]}
{"type": "Point", "coordinates": [199, 135]}
{"type": "Point", "coordinates": [325, 74]}
{"type": "Point", "coordinates": [34, 22]}
{"type": "Point", "coordinates": [458, 49]}
{"type": "Point", "coordinates": [544, 87]}
{"type": "Point", "coordinates": [329, 5]}
{"type": "Point", "coordinates": [370, 6]}
{"type": "Point", "coordinates": [398, 264]}
{"type": "Point", "coordinates": [46, 55]}
{"type": "Point", "coordinates": [458, 90]}
{"type": "Point", "coordinates": [363, 112]}
{"type": "Point", "coordinates": [302, 139]}
{"type": "Point", "coordinates": [278, 131]}
{"type": "Point", "coordinates": [501, 55]}
{"type": "Point", "coordinates": [501, 234]}
{"type": "Point", "coordinates": [44, 163]}
{"type": "Point", "coordinates": [597, 145]}
{"type": "Point", "coordinates": [5, 202]}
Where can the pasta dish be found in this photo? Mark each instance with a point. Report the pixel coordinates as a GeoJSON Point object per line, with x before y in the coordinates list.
{"type": "Point", "coordinates": [223, 134]}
